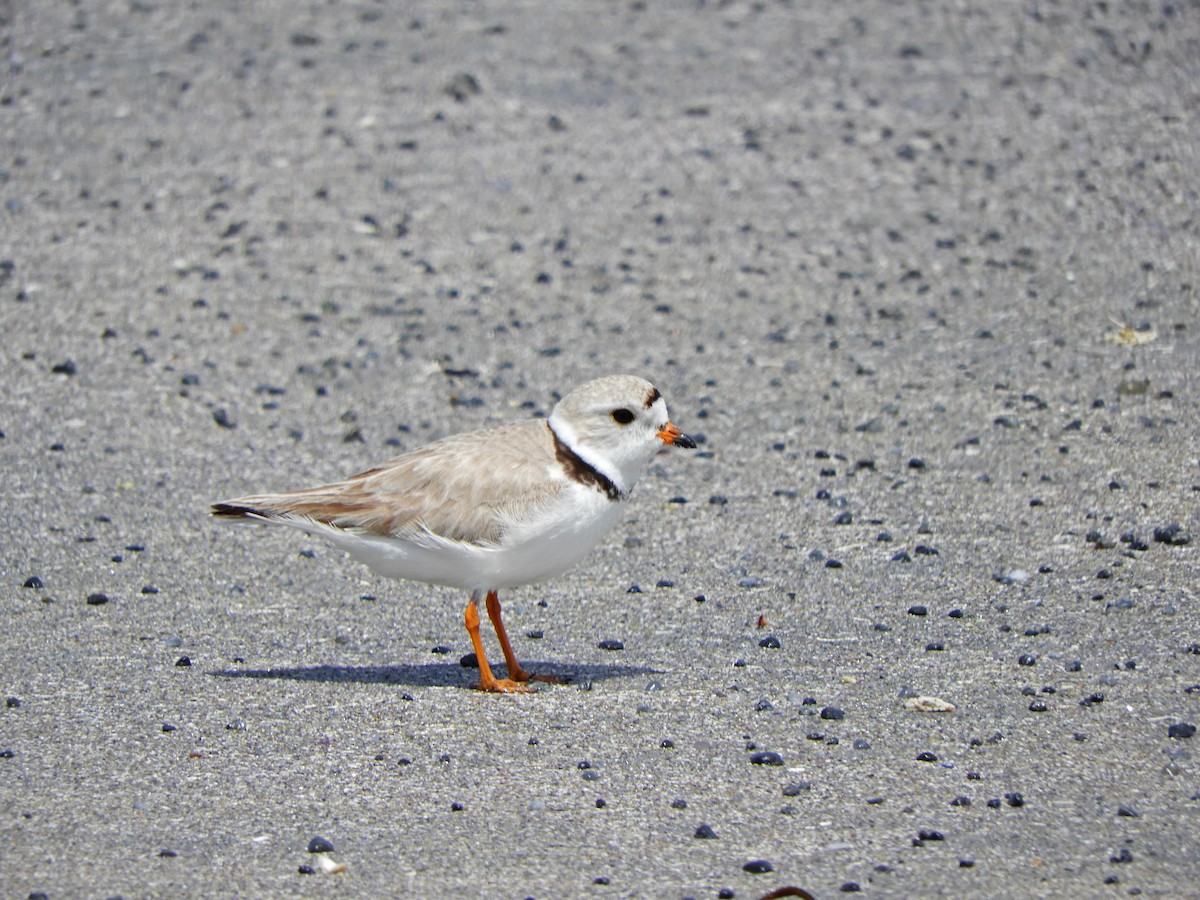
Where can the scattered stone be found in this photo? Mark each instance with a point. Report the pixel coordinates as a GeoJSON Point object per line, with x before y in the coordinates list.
{"type": "Point", "coordinates": [1172, 535]}
{"type": "Point", "coordinates": [770, 642]}
{"type": "Point", "coordinates": [833, 713]}
{"type": "Point", "coordinates": [705, 833]}
{"type": "Point", "coordinates": [33, 582]}
{"type": "Point", "coordinates": [97, 599]}
{"type": "Point", "coordinates": [611, 645]}
{"type": "Point", "coordinates": [758, 867]}
{"type": "Point", "coordinates": [767, 758]}
{"type": "Point", "coordinates": [320, 845]}
{"type": "Point", "coordinates": [1181, 730]}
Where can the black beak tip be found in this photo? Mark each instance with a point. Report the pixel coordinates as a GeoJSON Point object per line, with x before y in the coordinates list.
{"type": "Point", "coordinates": [685, 442]}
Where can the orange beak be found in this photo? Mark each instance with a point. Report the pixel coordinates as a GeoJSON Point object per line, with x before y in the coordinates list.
{"type": "Point", "coordinates": [672, 435]}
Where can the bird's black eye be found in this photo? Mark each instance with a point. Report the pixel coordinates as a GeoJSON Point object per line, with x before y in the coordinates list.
{"type": "Point", "coordinates": [622, 416]}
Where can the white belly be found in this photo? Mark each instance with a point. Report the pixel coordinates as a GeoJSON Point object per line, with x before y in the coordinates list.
{"type": "Point", "coordinates": [533, 550]}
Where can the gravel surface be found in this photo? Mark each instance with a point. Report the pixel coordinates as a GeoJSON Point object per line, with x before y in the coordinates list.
{"type": "Point", "coordinates": [920, 616]}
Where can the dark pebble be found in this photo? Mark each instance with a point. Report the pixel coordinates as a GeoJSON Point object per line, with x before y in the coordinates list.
{"type": "Point", "coordinates": [1181, 730]}
{"type": "Point", "coordinates": [833, 714]}
{"type": "Point", "coordinates": [705, 832]}
{"type": "Point", "coordinates": [796, 788]}
{"type": "Point", "coordinates": [12, 702]}
{"type": "Point", "coordinates": [183, 662]}
{"type": "Point", "coordinates": [633, 589]}
{"type": "Point", "coordinates": [758, 867]}
{"type": "Point", "coordinates": [221, 417]}
{"type": "Point", "coordinates": [931, 835]}
{"type": "Point", "coordinates": [67, 367]}
{"type": "Point", "coordinates": [664, 583]}
{"type": "Point", "coordinates": [320, 845]}
{"type": "Point", "coordinates": [97, 599]}
{"type": "Point", "coordinates": [961, 800]}
{"type": "Point", "coordinates": [149, 589]}
{"type": "Point", "coordinates": [955, 614]}
{"type": "Point", "coordinates": [934, 646]}
{"type": "Point", "coordinates": [770, 642]}
{"type": "Point", "coordinates": [767, 758]}
{"type": "Point", "coordinates": [966, 863]}
{"type": "Point", "coordinates": [611, 645]}
{"type": "Point", "coordinates": [600, 880]}
{"type": "Point", "coordinates": [535, 635]}
{"type": "Point", "coordinates": [679, 804]}
{"type": "Point", "coordinates": [1173, 535]}
{"type": "Point", "coordinates": [440, 650]}
{"type": "Point", "coordinates": [901, 556]}
{"type": "Point", "coordinates": [918, 611]}
{"type": "Point", "coordinates": [926, 756]}
{"type": "Point", "coordinates": [994, 803]}
{"type": "Point", "coordinates": [33, 582]}
{"type": "Point", "coordinates": [7, 754]}
{"type": "Point", "coordinates": [850, 887]}
{"type": "Point", "coordinates": [306, 870]}
{"type": "Point", "coordinates": [1015, 800]}
{"type": "Point", "coordinates": [168, 728]}
{"type": "Point", "coordinates": [1038, 706]}
{"type": "Point", "coordinates": [861, 744]}
{"type": "Point", "coordinates": [456, 807]}
{"type": "Point", "coordinates": [1125, 856]}
{"type": "Point", "coordinates": [846, 518]}
{"type": "Point", "coordinates": [1128, 811]}
{"type": "Point", "coordinates": [764, 705]}
{"type": "Point", "coordinates": [1026, 659]}
{"type": "Point", "coordinates": [916, 463]}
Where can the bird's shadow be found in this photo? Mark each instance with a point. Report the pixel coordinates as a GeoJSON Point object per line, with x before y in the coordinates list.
{"type": "Point", "coordinates": [430, 674]}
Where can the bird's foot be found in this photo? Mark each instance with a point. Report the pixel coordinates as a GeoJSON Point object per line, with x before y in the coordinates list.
{"type": "Point", "coordinates": [521, 674]}
{"type": "Point", "coordinates": [504, 686]}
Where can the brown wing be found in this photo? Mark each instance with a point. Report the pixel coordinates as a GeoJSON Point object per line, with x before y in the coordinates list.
{"type": "Point", "coordinates": [466, 487]}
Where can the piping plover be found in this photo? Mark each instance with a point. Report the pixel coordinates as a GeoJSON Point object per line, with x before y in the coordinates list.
{"type": "Point", "coordinates": [492, 509]}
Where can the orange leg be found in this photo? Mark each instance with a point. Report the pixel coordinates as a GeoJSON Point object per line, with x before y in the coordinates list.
{"type": "Point", "coordinates": [515, 670]}
{"type": "Point", "coordinates": [487, 681]}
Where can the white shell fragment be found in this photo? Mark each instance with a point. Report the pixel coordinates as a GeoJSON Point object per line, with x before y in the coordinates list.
{"type": "Point", "coordinates": [929, 704]}
{"type": "Point", "coordinates": [330, 866]}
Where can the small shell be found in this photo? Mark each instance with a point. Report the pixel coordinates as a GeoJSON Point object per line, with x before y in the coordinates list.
{"type": "Point", "coordinates": [1130, 337]}
{"type": "Point", "coordinates": [929, 704]}
{"type": "Point", "coordinates": [330, 866]}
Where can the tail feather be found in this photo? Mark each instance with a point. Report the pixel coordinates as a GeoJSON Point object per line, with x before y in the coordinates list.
{"type": "Point", "coordinates": [235, 510]}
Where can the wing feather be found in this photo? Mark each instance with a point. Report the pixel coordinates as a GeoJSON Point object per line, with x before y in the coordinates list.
{"type": "Point", "coordinates": [467, 487]}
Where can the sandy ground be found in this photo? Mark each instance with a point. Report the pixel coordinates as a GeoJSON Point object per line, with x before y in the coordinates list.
{"type": "Point", "coordinates": [922, 278]}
